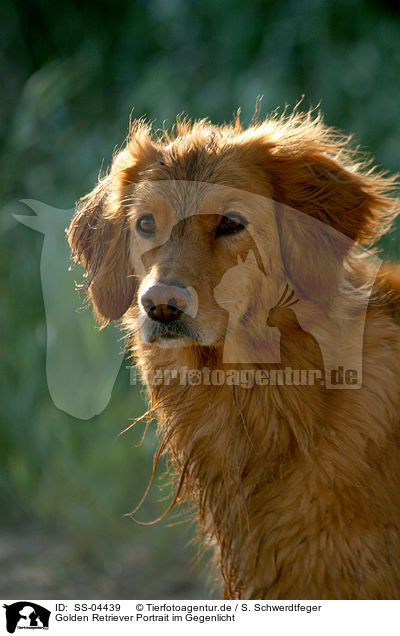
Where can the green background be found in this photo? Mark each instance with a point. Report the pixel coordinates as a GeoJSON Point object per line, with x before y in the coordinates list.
{"type": "Point", "coordinates": [70, 75]}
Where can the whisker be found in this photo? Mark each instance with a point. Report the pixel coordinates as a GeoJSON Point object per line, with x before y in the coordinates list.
{"type": "Point", "coordinates": [224, 302]}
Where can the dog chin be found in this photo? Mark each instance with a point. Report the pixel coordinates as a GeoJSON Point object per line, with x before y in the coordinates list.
{"type": "Point", "coordinates": [172, 343]}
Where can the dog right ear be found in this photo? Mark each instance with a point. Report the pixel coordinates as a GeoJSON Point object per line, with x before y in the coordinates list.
{"type": "Point", "coordinates": [99, 240]}
{"type": "Point", "coordinates": [99, 234]}
{"type": "Point", "coordinates": [326, 199]}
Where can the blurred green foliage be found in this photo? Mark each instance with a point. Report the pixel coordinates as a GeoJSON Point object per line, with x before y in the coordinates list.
{"type": "Point", "coordinates": [70, 75]}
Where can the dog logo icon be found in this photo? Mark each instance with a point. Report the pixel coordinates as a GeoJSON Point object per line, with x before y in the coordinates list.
{"type": "Point", "coordinates": [81, 363]}
{"type": "Point", "coordinates": [293, 336]}
{"type": "Point", "coordinates": [26, 615]}
{"type": "Point", "coordinates": [246, 339]}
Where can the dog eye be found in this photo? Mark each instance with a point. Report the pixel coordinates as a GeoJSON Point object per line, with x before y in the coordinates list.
{"type": "Point", "coordinates": [146, 225]}
{"type": "Point", "coordinates": [230, 224]}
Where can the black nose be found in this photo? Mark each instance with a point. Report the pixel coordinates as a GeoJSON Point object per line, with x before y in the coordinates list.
{"type": "Point", "coordinates": [164, 302]}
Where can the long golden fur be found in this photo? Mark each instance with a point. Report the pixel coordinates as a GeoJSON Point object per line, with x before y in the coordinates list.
{"type": "Point", "coordinates": [297, 487]}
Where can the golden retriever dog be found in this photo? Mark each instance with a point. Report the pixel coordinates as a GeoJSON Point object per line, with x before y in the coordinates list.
{"type": "Point", "coordinates": [267, 332]}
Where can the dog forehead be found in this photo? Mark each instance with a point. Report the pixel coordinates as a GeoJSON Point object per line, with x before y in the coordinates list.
{"type": "Point", "coordinates": [183, 199]}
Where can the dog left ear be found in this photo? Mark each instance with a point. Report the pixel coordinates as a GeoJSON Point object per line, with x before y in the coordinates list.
{"type": "Point", "coordinates": [312, 253]}
{"type": "Point", "coordinates": [354, 201]}
{"type": "Point", "coordinates": [326, 208]}
{"type": "Point", "coordinates": [324, 199]}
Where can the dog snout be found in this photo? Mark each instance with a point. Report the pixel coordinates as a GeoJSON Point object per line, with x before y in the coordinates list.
{"type": "Point", "coordinates": [165, 302]}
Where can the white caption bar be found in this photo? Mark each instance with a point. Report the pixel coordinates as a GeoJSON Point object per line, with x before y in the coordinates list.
{"type": "Point", "coordinates": [169, 618]}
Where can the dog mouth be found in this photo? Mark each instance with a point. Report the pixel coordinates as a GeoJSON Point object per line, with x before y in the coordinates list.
{"type": "Point", "coordinates": [173, 331]}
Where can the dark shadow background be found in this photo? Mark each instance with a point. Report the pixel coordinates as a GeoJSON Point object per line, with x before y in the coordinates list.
{"type": "Point", "coordinates": [70, 75]}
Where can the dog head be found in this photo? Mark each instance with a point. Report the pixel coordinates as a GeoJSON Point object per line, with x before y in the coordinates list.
{"type": "Point", "coordinates": [175, 212]}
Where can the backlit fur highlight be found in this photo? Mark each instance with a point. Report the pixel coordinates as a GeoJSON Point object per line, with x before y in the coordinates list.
{"type": "Point", "coordinates": [297, 487]}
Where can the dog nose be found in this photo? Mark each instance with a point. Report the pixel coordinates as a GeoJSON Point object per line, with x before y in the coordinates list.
{"type": "Point", "coordinates": [164, 302]}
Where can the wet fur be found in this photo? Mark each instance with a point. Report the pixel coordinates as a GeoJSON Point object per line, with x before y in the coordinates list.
{"type": "Point", "coordinates": [297, 488]}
